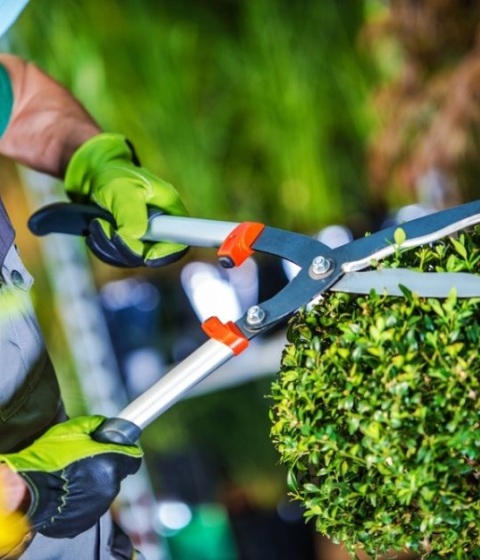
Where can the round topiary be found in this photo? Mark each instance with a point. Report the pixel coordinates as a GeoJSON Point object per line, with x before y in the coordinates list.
{"type": "Point", "coordinates": [376, 413]}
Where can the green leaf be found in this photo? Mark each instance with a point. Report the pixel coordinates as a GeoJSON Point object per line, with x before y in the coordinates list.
{"type": "Point", "coordinates": [399, 236]}
{"type": "Point", "coordinates": [459, 247]}
{"type": "Point", "coordinates": [312, 488]}
{"type": "Point", "coordinates": [292, 480]}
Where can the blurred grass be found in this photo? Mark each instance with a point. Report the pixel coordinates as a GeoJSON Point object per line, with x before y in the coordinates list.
{"type": "Point", "coordinates": [253, 109]}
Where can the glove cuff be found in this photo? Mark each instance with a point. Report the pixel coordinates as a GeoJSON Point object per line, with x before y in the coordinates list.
{"type": "Point", "coordinates": [92, 156]}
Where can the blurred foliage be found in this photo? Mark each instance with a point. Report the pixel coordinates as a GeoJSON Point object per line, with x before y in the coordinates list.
{"type": "Point", "coordinates": [252, 109]}
{"type": "Point", "coordinates": [427, 135]}
{"type": "Point", "coordinates": [231, 426]}
{"type": "Point", "coordinates": [376, 413]}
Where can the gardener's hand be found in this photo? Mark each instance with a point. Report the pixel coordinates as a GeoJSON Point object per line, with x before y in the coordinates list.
{"type": "Point", "coordinates": [72, 479]}
{"type": "Point", "coordinates": [105, 170]}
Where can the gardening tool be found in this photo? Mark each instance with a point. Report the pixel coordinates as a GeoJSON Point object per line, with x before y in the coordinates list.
{"type": "Point", "coordinates": [321, 269]}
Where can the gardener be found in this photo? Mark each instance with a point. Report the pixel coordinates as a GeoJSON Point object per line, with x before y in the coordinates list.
{"type": "Point", "coordinates": [52, 469]}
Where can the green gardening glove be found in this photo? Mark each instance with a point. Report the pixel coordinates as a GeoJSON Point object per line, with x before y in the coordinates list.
{"type": "Point", "coordinates": [72, 478]}
{"type": "Point", "coordinates": [105, 171]}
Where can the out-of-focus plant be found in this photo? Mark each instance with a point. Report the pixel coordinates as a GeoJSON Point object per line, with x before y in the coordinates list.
{"type": "Point", "coordinates": [375, 414]}
{"type": "Point", "coordinates": [427, 141]}
{"type": "Point", "coordinates": [232, 426]}
{"type": "Point", "coordinates": [251, 108]}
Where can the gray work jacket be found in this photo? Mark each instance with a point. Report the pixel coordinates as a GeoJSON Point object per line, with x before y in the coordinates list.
{"type": "Point", "coordinates": [29, 393]}
{"type": "Point", "coordinates": [7, 234]}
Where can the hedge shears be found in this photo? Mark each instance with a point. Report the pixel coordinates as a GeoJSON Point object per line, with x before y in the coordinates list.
{"type": "Point", "coordinates": [321, 269]}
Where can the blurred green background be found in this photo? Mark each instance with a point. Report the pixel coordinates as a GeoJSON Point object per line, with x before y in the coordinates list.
{"type": "Point", "coordinates": [255, 110]}
{"type": "Point", "coordinates": [251, 108]}
{"type": "Point", "coordinates": [297, 114]}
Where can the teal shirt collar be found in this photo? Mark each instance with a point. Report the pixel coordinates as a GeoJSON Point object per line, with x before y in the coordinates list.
{"type": "Point", "coordinates": [6, 99]}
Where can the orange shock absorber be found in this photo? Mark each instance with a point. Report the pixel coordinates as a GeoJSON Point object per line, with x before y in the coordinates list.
{"type": "Point", "coordinates": [228, 333]}
{"type": "Point", "coordinates": [237, 247]}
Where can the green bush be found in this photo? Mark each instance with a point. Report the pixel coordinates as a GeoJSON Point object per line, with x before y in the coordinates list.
{"type": "Point", "coordinates": [375, 413]}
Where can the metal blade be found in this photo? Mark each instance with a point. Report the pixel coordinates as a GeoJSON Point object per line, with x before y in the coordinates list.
{"type": "Point", "coordinates": [359, 254]}
{"type": "Point", "coordinates": [425, 284]}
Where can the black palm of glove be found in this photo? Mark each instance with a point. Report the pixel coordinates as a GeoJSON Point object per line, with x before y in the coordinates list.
{"type": "Point", "coordinates": [104, 170]}
{"type": "Point", "coordinates": [72, 478]}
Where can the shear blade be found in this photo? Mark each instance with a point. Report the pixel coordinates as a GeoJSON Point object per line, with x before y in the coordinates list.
{"type": "Point", "coordinates": [425, 284]}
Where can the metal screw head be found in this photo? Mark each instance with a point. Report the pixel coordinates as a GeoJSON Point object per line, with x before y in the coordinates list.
{"type": "Point", "coordinates": [320, 265]}
{"type": "Point", "coordinates": [255, 315]}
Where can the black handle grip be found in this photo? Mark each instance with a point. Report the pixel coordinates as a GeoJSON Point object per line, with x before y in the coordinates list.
{"type": "Point", "coordinates": [72, 218]}
{"type": "Point", "coordinates": [117, 430]}
{"type": "Point", "coordinates": [66, 217]}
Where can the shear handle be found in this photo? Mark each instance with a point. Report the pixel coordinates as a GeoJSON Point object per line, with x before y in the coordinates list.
{"type": "Point", "coordinates": [74, 219]}
{"type": "Point", "coordinates": [117, 430]}
{"type": "Point", "coordinates": [128, 424]}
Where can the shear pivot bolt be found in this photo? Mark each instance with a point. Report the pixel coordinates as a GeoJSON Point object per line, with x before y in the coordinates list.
{"type": "Point", "coordinates": [255, 315]}
{"type": "Point", "coordinates": [320, 265]}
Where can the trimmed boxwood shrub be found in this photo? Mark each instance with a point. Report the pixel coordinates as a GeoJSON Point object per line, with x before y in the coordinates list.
{"type": "Point", "coordinates": [376, 413]}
